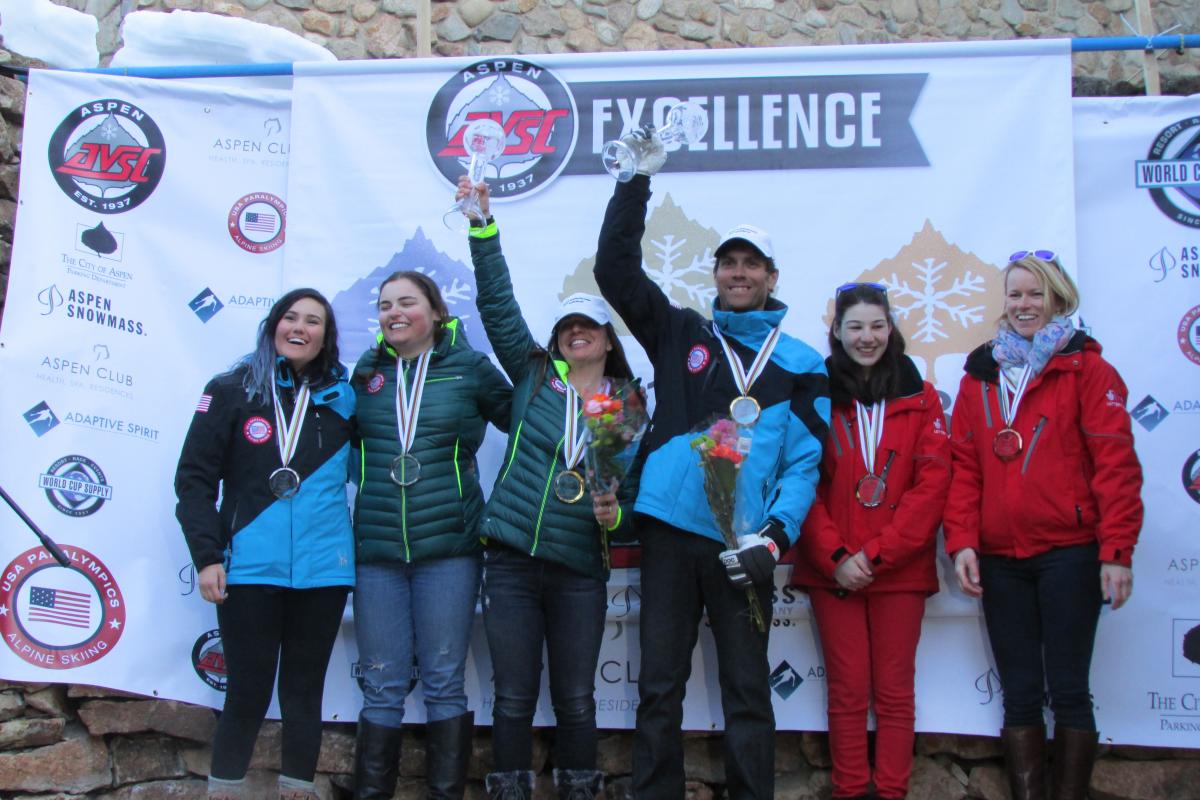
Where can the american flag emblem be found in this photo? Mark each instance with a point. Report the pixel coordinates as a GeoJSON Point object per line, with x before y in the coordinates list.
{"type": "Point", "coordinates": [60, 607]}
{"type": "Point", "coordinates": [259, 221]}
{"type": "Point", "coordinates": [205, 402]}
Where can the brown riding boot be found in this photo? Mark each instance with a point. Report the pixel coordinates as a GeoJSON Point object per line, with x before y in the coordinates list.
{"type": "Point", "coordinates": [1074, 755]}
{"type": "Point", "coordinates": [1025, 760]}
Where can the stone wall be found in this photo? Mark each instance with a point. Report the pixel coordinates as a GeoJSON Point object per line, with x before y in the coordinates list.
{"type": "Point", "coordinates": [71, 742]}
{"type": "Point", "coordinates": [386, 28]}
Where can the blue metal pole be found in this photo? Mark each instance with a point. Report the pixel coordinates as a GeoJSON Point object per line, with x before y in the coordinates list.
{"type": "Point", "coordinates": [1168, 42]}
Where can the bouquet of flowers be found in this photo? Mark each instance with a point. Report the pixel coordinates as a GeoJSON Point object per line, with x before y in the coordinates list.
{"type": "Point", "coordinates": [616, 421]}
{"type": "Point", "coordinates": [723, 447]}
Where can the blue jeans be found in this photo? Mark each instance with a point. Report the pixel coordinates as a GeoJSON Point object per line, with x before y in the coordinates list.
{"type": "Point", "coordinates": [528, 602]}
{"type": "Point", "coordinates": [423, 612]}
{"type": "Point", "coordinates": [1041, 615]}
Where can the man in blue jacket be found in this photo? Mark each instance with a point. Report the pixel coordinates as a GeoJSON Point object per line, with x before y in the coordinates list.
{"type": "Point", "coordinates": [686, 568]}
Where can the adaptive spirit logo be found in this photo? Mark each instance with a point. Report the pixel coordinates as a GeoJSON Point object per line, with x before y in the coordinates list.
{"type": "Point", "coordinates": [205, 305]}
{"type": "Point", "coordinates": [59, 617]}
{"type": "Point", "coordinates": [76, 486]}
{"type": "Point", "coordinates": [1191, 475]}
{"type": "Point", "coordinates": [785, 680]}
{"type": "Point", "coordinates": [208, 659]}
{"type": "Point", "coordinates": [41, 419]}
{"type": "Point", "coordinates": [533, 106]}
{"type": "Point", "coordinates": [1171, 172]}
{"type": "Point", "coordinates": [1149, 413]}
{"type": "Point", "coordinates": [108, 156]}
{"type": "Point", "coordinates": [89, 307]}
{"type": "Point", "coordinates": [1188, 334]}
{"type": "Point", "coordinates": [257, 222]}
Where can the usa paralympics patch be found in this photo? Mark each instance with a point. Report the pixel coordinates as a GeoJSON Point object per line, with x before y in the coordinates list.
{"type": "Point", "coordinates": [375, 383]}
{"type": "Point", "coordinates": [256, 430]}
{"type": "Point", "coordinates": [697, 358]}
{"type": "Point", "coordinates": [557, 385]}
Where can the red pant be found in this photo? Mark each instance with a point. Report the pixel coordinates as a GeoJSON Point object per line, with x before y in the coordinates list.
{"type": "Point", "coordinates": [870, 644]}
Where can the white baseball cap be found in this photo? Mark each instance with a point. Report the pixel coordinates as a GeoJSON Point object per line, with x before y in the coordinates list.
{"type": "Point", "coordinates": [750, 234]}
{"type": "Point", "coordinates": [584, 305]}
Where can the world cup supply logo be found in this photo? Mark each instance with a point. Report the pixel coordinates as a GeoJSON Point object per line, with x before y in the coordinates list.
{"type": "Point", "coordinates": [76, 486]}
{"type": "Point", "coordinates": [1171, 172]}
{"type": "Point", "coordinates": [58, 617]}
{"type": "Point", "coordinates": [208, 659]}
{"type": "Point", "coordinates": [256, 222]}
{"type": "Point", "coordinates": [1188, 334]}
{"type": "Point", "coordinates": [534, 107]}
{"type": "Point", "coordinates": [108, 156]}
{"type": "Point", "coordinates": [1191, 476]}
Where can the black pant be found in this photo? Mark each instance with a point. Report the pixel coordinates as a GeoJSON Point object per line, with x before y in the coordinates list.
{"type": "Point", "coordinates": [682, 576]}
{"type": "Point", "coordinates": [529, 603]}
{"type": "Point", "coordinates": [259, 624]}
{"type": "Point", "coordinates": [1041, 615]}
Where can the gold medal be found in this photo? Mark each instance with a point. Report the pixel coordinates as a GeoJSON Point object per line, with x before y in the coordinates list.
{"type": "Point", "coordinates": [568, 486]}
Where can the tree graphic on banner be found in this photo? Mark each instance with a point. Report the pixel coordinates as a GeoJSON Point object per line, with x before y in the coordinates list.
{"type": "Point", "coordinates": [677, 254]}
{"type": "Point", "coordinates": [945, 300]}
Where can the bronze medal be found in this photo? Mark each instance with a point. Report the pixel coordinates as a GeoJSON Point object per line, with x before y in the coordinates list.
{"type": "Point", "coordinates": [1007, 444]}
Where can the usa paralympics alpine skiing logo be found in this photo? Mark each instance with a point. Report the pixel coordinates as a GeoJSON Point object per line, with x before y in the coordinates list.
{"type": "Point", "coordinates": [108, 156]}
{"type": "Point", "coordinates": [534, 107]}
{"type": "Point", "coordinates": [57, 617]}
{"type": "Point", "coordinates": [1171, 172]}
{"type": "Point", "coordinates": [257, 221]}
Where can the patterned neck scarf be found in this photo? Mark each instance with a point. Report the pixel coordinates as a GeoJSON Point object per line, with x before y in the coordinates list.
{"type": "Point", "coordinates": [1010, 349]}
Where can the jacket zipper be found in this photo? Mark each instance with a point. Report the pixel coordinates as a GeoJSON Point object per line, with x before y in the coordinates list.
{"type": "Point", "coordinates": [513, 455]}
{"type": "Point", "coordinates": [537, 529]}
{"type": "Point", "coordinates": [457, 472]}
{"type": "Point", "coordinates": [987, 409]}
{"type": "Point", "coordinates": [1037, 432]}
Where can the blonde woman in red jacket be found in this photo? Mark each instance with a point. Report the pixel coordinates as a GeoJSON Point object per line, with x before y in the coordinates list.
{"type": "Point", "coordinates": [866, 552]}
{"type": "Point", "coordinates": [1043, 515]}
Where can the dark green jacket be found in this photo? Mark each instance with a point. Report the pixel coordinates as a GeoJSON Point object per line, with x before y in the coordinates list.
{"type": "Point", "coordinates": [523, 511]}
{"type": "Point", "coordinates": [438, 516]}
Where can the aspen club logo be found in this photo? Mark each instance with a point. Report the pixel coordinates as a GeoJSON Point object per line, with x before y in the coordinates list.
{"type": "Point", "coordinates": [534, 107]}
{"type": "Point", "coordinates": [1171, 172]}
{"type": "Point", "coordinates": [108, 156]}
{"type": "Point", "coordinates": [56, 617]}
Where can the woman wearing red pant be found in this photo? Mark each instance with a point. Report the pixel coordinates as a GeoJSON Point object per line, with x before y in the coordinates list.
{"type": "Point", "coordinates": [866, 553]}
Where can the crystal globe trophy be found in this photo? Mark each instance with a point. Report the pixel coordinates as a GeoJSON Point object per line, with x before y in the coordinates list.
{"type": "Point", "coordinates": [686, 123]}
{"type": "Point", "coordinates": [483, 140]}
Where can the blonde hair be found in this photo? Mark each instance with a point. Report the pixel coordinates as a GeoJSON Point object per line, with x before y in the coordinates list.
{"type": "Point", "coordinates": [1062, 294]}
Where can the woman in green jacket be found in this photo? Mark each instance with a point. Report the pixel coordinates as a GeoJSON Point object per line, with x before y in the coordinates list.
{"type": "Point", "coordinates": [546, 562]}
{"type": "Point", "coordinates": [423, 399]}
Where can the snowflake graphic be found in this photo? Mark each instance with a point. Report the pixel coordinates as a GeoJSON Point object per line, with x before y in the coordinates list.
{"type": "Point", "coordinates": [928, 300]}
{"type": "Point", "coordinates": [670, 276]}
{"type": "Point", "coordinates": [499, 93]}
{"type": "Point", "coordinates": [110, 129]}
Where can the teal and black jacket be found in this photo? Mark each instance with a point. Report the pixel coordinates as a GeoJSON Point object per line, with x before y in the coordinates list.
{"type": "Point", "coordinates": [523, 511]}
{"type": "Point", "coordinates": [438, 516]}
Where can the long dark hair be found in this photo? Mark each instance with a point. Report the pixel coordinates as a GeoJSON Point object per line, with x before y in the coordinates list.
{"type": "Point", "coordinates": [428, 287]}
{"type": "Point", "coordinates": [846, 379]}
{"type": "Point", "coordinates": [616, 365]}
{"type": "Point", "coordinates": [261, 362]}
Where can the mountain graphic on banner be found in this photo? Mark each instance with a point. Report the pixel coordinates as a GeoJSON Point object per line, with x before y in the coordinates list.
{"type": "Point", "coordinates": [109, 135]}
{"type": "Point", "coordinates": [510, 102]}
{"type": "Point", "coordinates": [677, 254]}
{"type": "Point", "coordinates": [356, 307]}
{"type": "Point", "coordinates": [945, 300]}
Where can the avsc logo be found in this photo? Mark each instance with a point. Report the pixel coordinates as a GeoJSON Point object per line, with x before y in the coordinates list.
{"type": "Point", "coordinates": [205, 305]}
{"type": "Point", "coordinates": [108, 156]}
{"type": "Point", "coordinates": [41, 419]}
{"type": "Point", "coordinates": [1191, 476]}
{"type": "Point", "coordinates": [56, 617]}
{"type": "Point", "coordinates": [75, 485]}
{"type": "Point", "coordinates": [208, 659]}
{"type": "Point", "coordinates": [533, 106]}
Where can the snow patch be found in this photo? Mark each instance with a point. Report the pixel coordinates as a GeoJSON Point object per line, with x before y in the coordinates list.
{"type": "Point", "coordinates": [183, 38]}
{"type": "Point", "coordinates": [61, 37]}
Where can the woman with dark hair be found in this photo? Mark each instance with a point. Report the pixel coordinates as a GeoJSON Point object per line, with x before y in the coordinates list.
{"type": "Point", "coordinates": [271, 438]}
{"type": "Point", "coordinates": [424, 399]}
{"type": "Point", "coordinates": [546, 562]}
{"type": "Point", "coordinates": [1043, 515]}
{"type": "Point", "coordinates": [866, 552]}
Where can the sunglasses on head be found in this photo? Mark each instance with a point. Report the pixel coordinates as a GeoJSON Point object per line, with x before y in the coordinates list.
{"type": "Point", "coordinates": [845, 287]}
{"type": "Point", "coordinates": [1044, 255]}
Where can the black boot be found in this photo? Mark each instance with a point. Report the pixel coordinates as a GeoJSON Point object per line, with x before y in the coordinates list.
{"type": "Point", "coordinates": [1074, 755]}
{"type": "Point", "coordinates": [514, 785]}
{"type": "Point", "coordinates": [578, 784]}
{"type": "Point", "coordinates": [376, 761]}
{"type": "Point", "coordinates": [447, 753]}
{"type": "Point", "coordinates": [1025, 760]}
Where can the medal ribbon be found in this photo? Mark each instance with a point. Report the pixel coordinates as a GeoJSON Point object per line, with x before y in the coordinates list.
{"type": "Point", "coordinates": [1011, 394]}
{"type": "Point", "coordinates": [745, 378]}
{"type": "Point", "coordinates": [870, 431]}
{"type": "Point", "coordinates": [408, 407]}
{"type": "Point", "coordinates": [575, 435]}
{"type": "Point", "coordinates": [288, 431]}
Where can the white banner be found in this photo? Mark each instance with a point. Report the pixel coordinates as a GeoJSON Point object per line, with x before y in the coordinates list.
{"type": "Point", "coordinates": [1138, 195]}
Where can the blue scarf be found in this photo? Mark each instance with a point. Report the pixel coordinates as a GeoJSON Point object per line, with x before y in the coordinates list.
{"type": "Point", "coordinates": [1010, 349]}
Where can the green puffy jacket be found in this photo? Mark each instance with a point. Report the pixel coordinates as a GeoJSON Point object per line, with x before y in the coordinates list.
{"type": "Point", "coordinates": [438, 516]}
{"type": "Point", "coordinates": [523, 511]}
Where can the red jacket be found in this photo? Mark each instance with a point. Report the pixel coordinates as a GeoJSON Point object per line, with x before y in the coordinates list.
{"type": "Point", "coordinates": [1076, 479]}
{"type": "Point", "coordinates": [898, 535]}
